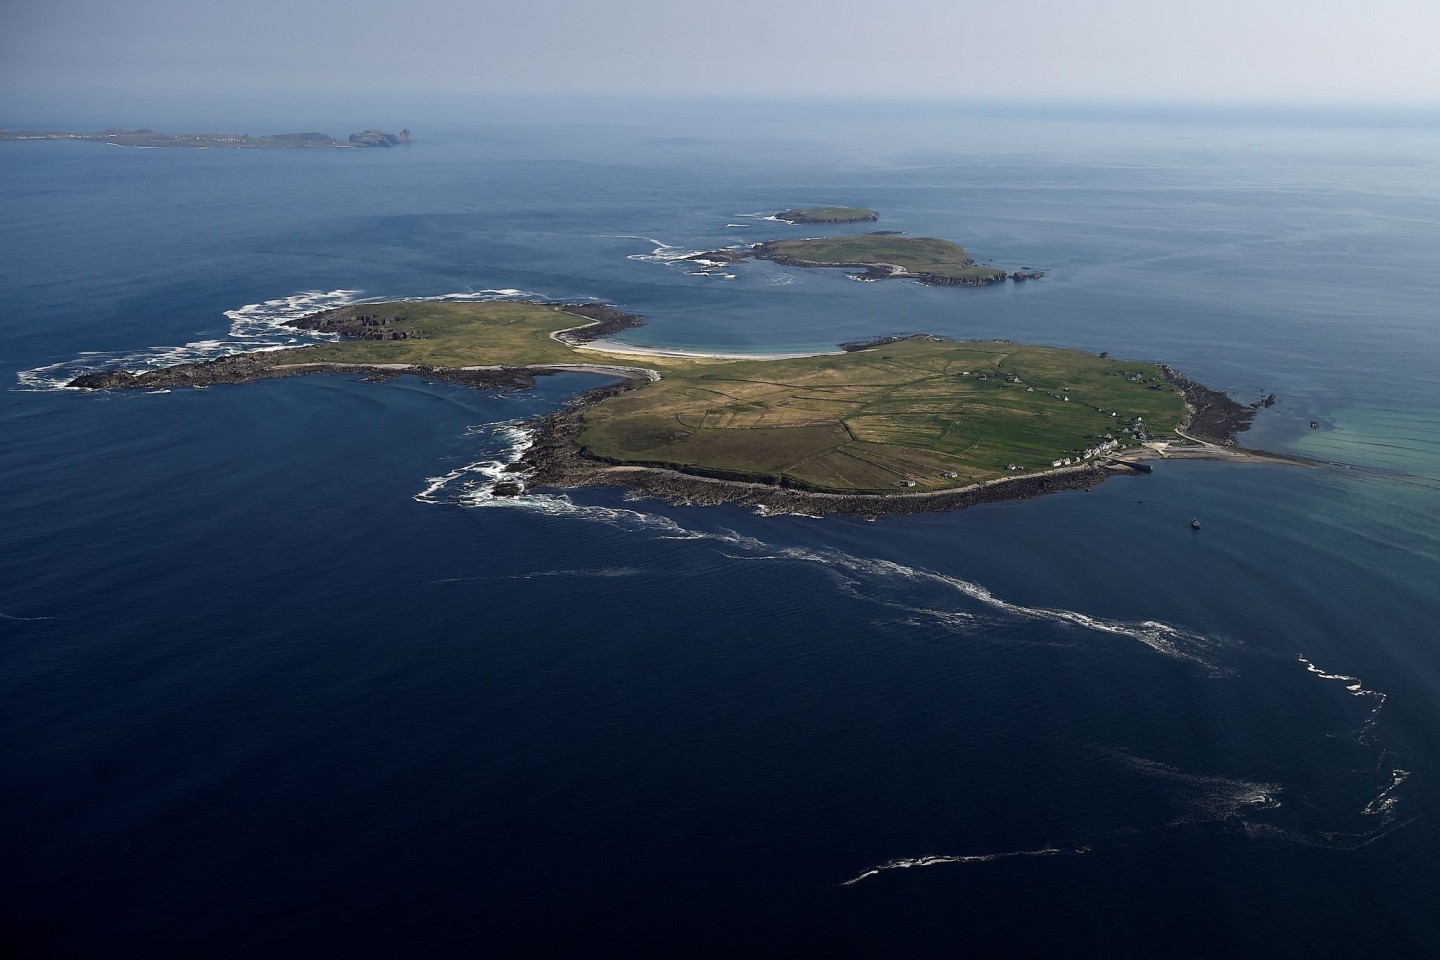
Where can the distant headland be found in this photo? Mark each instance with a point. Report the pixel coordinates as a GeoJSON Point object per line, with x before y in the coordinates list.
{"type": "Point", "coordinates": [234, 141]}
{"type": "Point", "coordinates": [899, 424]}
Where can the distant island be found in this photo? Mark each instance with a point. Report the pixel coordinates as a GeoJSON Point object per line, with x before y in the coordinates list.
{"type": "Point", "coordinates": [828, 215]}
{"type": "Point", "coordinates": [283, 141]}
{"type": "Point", "coordinates": [880, 255]}
{"type": "Point", "coordinates": [893, 425]}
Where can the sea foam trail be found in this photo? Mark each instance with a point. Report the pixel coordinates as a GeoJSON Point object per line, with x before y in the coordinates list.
{"type": "Point", "coordinates": [1384, 804]}
{"type": "Point", "coordinates": [1207, 798]}
{"type": "Point", "coordinates": [1200, 798]}
{"type": "Point", "coordinates": [254, 328]}
{"type": "Point", "coordinates": [1355, 687]}
{"type": "Point", "coordinates": [940, 860]}
{"type": "Point", "coordinates": [1160, 637]}
{"type": "Point", "coordinates": [471, 485]}
{"type": "Point", "coordinates": [670, 254]}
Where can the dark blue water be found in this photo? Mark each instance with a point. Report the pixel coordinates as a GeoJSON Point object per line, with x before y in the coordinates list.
{"type": "Point", "coordinates": [275, 680]}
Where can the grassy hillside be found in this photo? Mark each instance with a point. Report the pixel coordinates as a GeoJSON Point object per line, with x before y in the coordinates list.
{"type": "Point", "coordinates": [828, 215]}
{"type": "Point", "coordinates": [906, 412]}
{"type": "Point", "coordinates": [920, 255]}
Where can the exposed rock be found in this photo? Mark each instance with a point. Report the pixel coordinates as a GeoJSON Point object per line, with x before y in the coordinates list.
{"type": "Point", "coordinates": [608, 321]}
{"type": "Point", "coordinates": [356, 323]}
{"type": "Point", "coordinates": [1215, 416]}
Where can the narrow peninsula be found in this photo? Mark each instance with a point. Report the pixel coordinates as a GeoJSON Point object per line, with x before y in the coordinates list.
{"type": "Point", "coordinates": [892, 425]}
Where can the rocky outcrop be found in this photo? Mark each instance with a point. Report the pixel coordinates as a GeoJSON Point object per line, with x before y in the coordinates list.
{"type": "Point", "coordinates": [1214, 415]}
{"type": "Point", "coordinates": [357, 323]}
{"type": "Point", "coordinates": [608, 322]}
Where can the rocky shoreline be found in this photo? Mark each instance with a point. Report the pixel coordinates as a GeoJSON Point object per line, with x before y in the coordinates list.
{"type": "Point", "coordinates": [557, 459]}
{"type": "Point", "coordinates": [359, 322]}
{"type": "Point", "coordinates": [1214, 415]}
{"type": "Point", "coordinates": [606, 322]}
{"type": "Point", "coordinates": [249, 367]}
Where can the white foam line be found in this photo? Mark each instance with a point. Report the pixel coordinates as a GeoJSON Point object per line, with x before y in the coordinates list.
{"type": "Point", "coordinates": [472, 485]}
{"type": "Point", "coordinates": [254, 328]}
{"type": "Point", "coordinates": [1160, 637]}
{"type": "Point", "coordinates": [1354, 686]}
{"type": "Point", "coordinates": [474, 491]}
{"type": "Point", "coordinates": [1209, 797]}
{"type": "Point", "coordinates": [596, 572]}
{"type": "Point", "coordinates": [1386, 801]}
{"type": "Point", "coordinates": [935, 861]}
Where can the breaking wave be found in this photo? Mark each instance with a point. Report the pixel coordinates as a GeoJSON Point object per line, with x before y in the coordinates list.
{"type": "Point", "coordinates": [665, 253]}
{"type": "Point", "coordinates": [254, 328]}
{"type": "Point", "coordinates": [1355, 688]}
{"type": "Point", "coordinates": [472, 485]}
{"type": "Point", "coordinates": [940, 860]}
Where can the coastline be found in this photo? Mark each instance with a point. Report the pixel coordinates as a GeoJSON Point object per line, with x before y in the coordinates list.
{"type": "Point", "coordinates": [556, 459]}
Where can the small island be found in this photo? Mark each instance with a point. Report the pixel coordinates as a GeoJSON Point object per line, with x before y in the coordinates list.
{"type": "Point", "coordinates": [880, 255]}
{"type": "Point", "coordinates": [893, 425]}
{"type": "Point", "coordinates": [231, 141]}
{"type": "Point", "coordinates": [828, 215]}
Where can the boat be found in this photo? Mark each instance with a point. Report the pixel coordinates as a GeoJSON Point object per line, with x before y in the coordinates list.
{"type": "Point", "coordinates": [1194, 523]}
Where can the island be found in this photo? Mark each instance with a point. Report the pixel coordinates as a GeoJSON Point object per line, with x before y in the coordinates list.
{"type": "Point", "coordinates": [281, 141]}
{"type": "Point", "coordinates": [879, 255]}
{"type": "Point", "coordinates": [898, 424]}
{"type": "Point", "coordinates": [828, 215]}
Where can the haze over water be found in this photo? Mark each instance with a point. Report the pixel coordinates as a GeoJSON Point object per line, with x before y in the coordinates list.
{"type": "Point", "coordinates": [278, 677]}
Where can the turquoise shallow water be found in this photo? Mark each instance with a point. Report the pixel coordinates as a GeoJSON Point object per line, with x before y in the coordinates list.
{"type": "Point", "coordinates": [275, 680]}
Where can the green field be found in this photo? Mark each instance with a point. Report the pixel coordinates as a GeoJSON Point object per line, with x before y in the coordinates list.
{"type": "Point", "coordinates": [828, 215]}
{"type": "Point", "coordinates": [460, 335]}
{"type": "Point", "coordinates": [869, 421]}
{"type": "Point", "coordinates": [918, 255]}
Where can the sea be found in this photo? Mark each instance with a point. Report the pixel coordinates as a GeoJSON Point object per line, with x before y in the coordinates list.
{"type": "Point", "coordinates": [278, 676]}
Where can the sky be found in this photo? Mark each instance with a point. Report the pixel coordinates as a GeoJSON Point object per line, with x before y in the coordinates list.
{"type": "Point", "coordinates": [1314, 53]}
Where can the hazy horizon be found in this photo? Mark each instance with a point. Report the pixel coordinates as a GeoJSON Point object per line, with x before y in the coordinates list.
{"type": "Point", "coordinates": [151, 61]}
